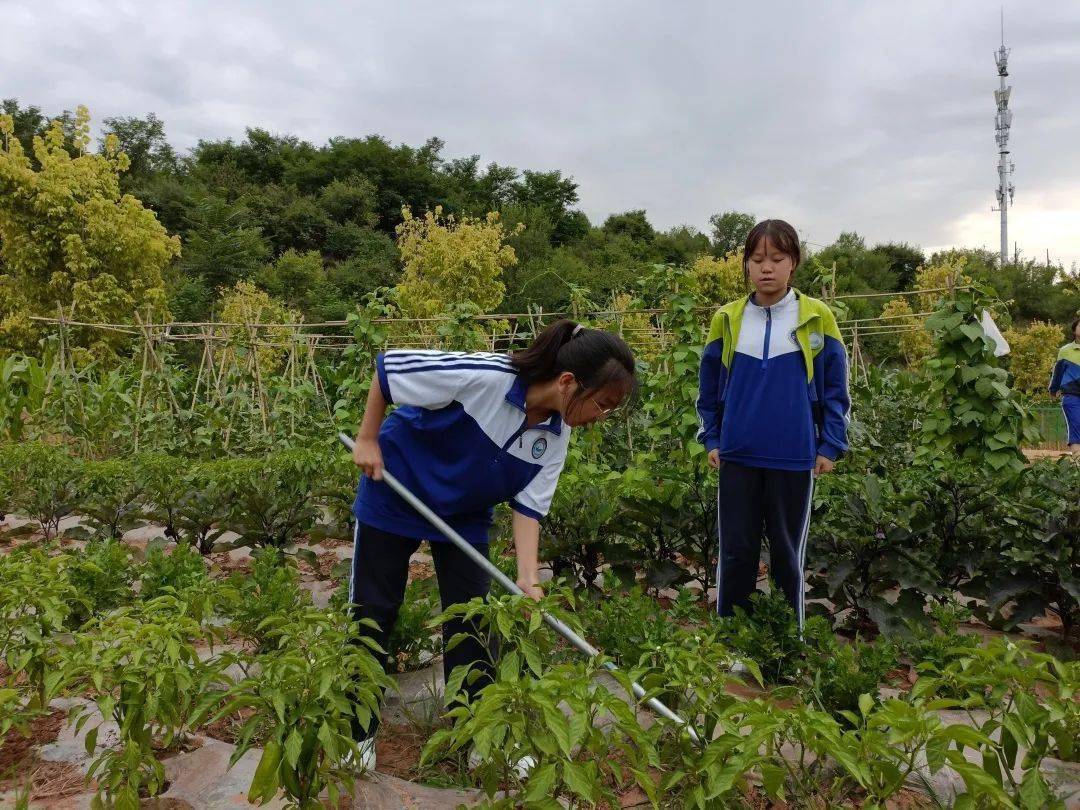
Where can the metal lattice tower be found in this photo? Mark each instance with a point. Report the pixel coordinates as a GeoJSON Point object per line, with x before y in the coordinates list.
{"type": "Point", "coordinates": [1002, 122]}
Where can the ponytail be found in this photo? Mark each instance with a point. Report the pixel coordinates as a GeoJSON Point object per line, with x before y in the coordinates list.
{"type": "Point", "coordinates": [595, 357]}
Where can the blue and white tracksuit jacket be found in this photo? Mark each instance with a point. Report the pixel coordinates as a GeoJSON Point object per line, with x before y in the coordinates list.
{"type": "Point", "coordinates": [459, 442]}
{"type": "Point", "coordinates": [773, 396]}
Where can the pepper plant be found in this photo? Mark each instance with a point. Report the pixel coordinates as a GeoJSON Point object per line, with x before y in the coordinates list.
{"type": "Point", "coordinates": [142, 669]}
{"type": "Point", "coordinates": [552, 714]}
{"type": "Point", "coordinates": [32, 619]}
{"type": "Point", "coordinates": [255, 602]}
{"type": "Point", "coordinates": [1018, 703]}
{"type": "Point", "coordinates": [102, 576]}
{"type": "Point", "coordinates": [308, 691]}
{"type": "Point", "coordinates": [202, 505]}
{"type": "Point", "coordinates": [42, 482]}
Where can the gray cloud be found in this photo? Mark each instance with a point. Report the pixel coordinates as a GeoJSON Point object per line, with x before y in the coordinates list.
{"type": "Point", "coordinates": [868, 116]}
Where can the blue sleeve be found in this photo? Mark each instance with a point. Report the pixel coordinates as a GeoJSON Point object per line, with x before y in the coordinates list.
{"type": "Point", "coordinates": [1056, 379]}
{"type": "Point", "coordinates": [837, 401]}
{"type": "Point", "coordinates": [708, 402]}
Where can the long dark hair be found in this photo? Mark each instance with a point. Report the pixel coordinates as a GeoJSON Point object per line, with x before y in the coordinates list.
{"type": "Point", "coordinates": [780, 234]}
{"type": "Point", "coordinates": [595, 357]}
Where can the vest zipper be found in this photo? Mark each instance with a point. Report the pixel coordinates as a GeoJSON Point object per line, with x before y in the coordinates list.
{"type": "Point", "coordinates": [768, 337]}
{"type": "Point", "coordinates": [519, 434]}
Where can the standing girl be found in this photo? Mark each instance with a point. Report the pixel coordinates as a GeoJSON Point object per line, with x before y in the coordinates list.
{"type": "Point", "coordinates": [472, 431]}
{"type": "Point", "coordinates": [1066, 381]}
{"type": "Point", "coordinates": [773, 404]}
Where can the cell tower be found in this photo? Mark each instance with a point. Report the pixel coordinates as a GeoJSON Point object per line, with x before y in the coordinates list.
{"type": "Point", "coordinates": [1002, 122]}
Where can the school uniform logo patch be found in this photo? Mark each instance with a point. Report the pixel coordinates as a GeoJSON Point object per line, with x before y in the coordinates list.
{"type": "Point", "coordinates": [793, 337]}
{"type": "Point", "coordinates": [539, 447]}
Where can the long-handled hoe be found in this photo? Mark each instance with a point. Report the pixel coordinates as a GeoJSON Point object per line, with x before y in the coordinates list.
{"type": "Point", "coordinates": [559, 627]}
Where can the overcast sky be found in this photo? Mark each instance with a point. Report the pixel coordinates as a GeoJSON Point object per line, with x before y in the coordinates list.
{"type": "Point", "coordinates": [867, 116]}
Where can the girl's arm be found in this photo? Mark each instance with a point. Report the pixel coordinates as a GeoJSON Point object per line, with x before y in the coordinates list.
{"type": "Point", "coordinates": [366, 453]}
{"type": "Point", "coordinates": [527, 545]}
{"type": "Point", "coordinates": [711, 376]}
{"type": "Point", "coordinates": [837, 401]}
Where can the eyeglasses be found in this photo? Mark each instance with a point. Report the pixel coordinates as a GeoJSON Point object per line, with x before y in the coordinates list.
{"type": "Point", "coordinates": [602, 411]}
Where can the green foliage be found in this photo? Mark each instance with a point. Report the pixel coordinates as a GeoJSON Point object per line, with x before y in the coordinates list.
{"type": "Point", "coordinates": [411, 643]}
{"type": "Point", "coordinates": [166, 482]}
{"type": "Point", "coordinates": [885, 416]}
{"type": "Point", "coordinates": [1032, 352]}
{"type": "Point", "coordinates": [110, 497]}
{"type": "Point", "coordinates": [23, 380]}
{"type": "Point", "coordinates": [448, 261]}
{"type": "Point", "coordinates": [521, 714]}
{"type": "Point", "coordinates": [582, 528]}
{"type": "Point", "coordinates": [102, 576]}
{"type": "Point", "coordinates": [1000, 687]}
{"type": "Point", "coordinates": [1034, 566]}
{"type": "Point", "coordinates": [939, 644]}
{"type": "Point", "coordinates": [101, 250]}
{"type": "Point", "coordinates": [670, 490]}
{"type": "Point", "coordinates": [256, 601]}
{"type": "Point", "coordinates": [769, 635]}
{"type": "Point", "coordinates": [358, 359]}
{"type": "Point", "coordinates": [178, 570]}
{"type": "Point", "coordinates": [729, 232]}
{"type": "Point", "coordinates": [862, 549]}
{"type": "Point", "coordinates": [960, 512]}
{"type": "Point", "coordinates": [972, 414]}
{"type": "Point", "coordinates": [41, 482]}
{"type": "Point", "coordinates": [141, 666]}
{"type": "Point", "coordinates": [307, 691]}
{"type": "Point", "coordinates": [31, 617]}
{"type": "Point", "coordinates": [624, 626]}
{"type": "Point", "coordinates": [270, 501]}
{"type": "Point", "coordinates": [841, 673]}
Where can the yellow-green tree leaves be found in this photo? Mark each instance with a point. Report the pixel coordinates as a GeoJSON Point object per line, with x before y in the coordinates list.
{"type": "Point", "coordinates": [68, 236]}
{"type": "Point", "coordinates": [718, 281]}
{"type": "Point", "coordinates": [915, 343]}
{"type": "Point", "coordinates": [1033, 352]}
{"type": "Point", "coordinates": [449, 262]}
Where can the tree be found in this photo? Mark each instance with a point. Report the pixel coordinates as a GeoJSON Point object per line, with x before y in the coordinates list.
{"type": "Point", "coordinates": [143, 141]}
{"type": "Point", "coordinates": [354, 199]}
{"type": "Point", "coordinates": [248, 305]}
{"type": "Point", "coordinates": [915, 344]}
{"type": "Point", "coordinates": [288, 219]}
{"type": "Point", "coordinates": [298, 279]}
{"type": "Point", "coordinates": [26, 123]}
{"type": "Point", "coordinates": [548, 190]}
{"type": "Point", "coordinates": [449, 262]}
{"type": "Point", "coordinates": [945, 273]}
{"type": "Point", "coordinates": [103, 252]}
{"type": "Point", "coordinates": [903, 261]}
{"type": "Point", "coordinates": [680, 245]}
{"type": "Point", "coordinates": [633, 224]}
{"type": "Point", "coordinates": [1033, 351]}
{"type": "Point", "coordinates": [729, 231]}
{"type": "Point", "coordinates": [858, 269]}
{"type": "Point", "coordinates": [373, 262]}
{"type": "Point", "coordinates": [717, 281]}
{"type": "Point", "coordinates": [222, 244]}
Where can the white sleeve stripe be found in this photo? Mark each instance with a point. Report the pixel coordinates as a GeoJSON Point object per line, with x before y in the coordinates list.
{"type": "Point", "coordinates": [442, 367]}
{"type": "Point", "coordinates": [401, 361]}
